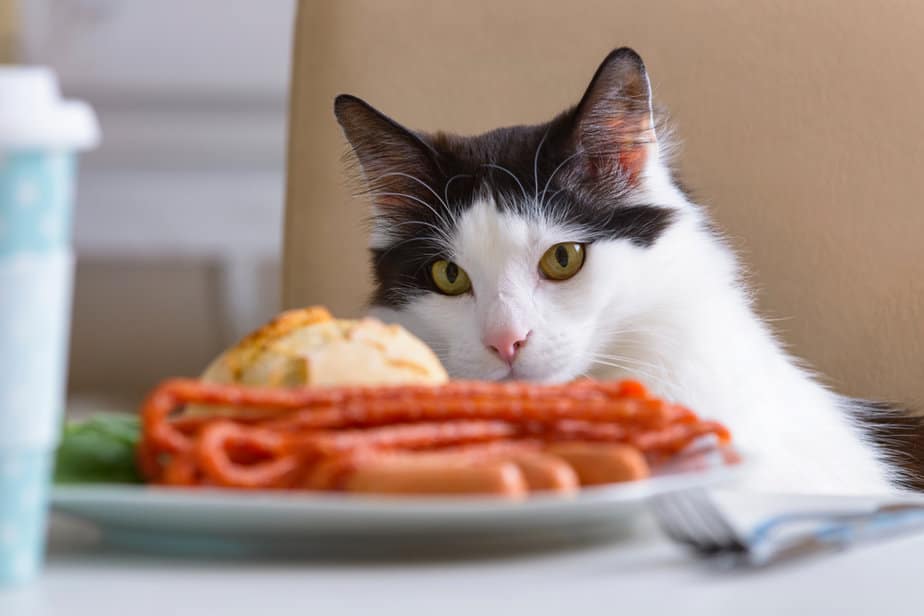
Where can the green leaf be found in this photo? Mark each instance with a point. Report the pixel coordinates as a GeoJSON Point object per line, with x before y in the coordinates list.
{"type": "Point", "coordinates": [99, 450]}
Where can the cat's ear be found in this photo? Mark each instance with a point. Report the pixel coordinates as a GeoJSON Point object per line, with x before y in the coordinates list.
{"type": "Point", "coordinates": [613, 123]}
{"type": "Point", "coordinates": [395, 161]}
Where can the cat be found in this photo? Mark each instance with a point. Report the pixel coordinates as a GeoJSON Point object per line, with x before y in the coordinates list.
{"type": "Point", "coordinates": [568, 249]}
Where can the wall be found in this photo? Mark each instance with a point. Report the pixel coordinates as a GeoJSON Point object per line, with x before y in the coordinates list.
{"type": "Point", "coordinates": [8, 30]}
{"type": "Point", "coordinates": [179, 212]}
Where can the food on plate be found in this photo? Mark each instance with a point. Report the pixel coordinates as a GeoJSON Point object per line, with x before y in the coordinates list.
{"type": "Point", "coordinates": [307, 346]}
{"type": "Point", "coordinates": [509, 468]}
{"type": "Point", "coordinates": [440, 472]}
{"type": "Point", "coordinates": [504, 439]}
{"type": "Point", "coordinates": [599, 463]}
{"type": "Point", "coordinates": [100, 449]}
{"type": "Point", "coordinates": [545, 472]}
{"type": "Point", "coordinates": [309, 402]}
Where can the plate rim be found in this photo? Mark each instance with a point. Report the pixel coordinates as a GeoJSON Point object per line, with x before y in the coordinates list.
{"type": "Point", "coordinates": [74, 498]}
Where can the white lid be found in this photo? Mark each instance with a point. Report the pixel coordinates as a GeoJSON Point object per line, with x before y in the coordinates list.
{"type": "Point", "coordinates": [33, 114]}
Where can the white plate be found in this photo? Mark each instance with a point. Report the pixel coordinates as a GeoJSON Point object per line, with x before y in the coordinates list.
{"type": "Point", "coordinates": [228, 521]}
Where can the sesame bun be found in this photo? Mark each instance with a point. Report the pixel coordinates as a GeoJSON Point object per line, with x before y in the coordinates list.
{"type": "Point", "coordinates": [309, 347]}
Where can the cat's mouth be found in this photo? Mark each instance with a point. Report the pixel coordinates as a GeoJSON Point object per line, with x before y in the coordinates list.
{"type": "Point", "coordinates": [515, 374]}
{"type": "Point", "coordinates": [509, 373]}
{"type": "Point", "coordinates": [503, 374]}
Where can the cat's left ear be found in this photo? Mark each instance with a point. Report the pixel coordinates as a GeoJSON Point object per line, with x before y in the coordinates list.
{"type": "Point", "coordinates": [613, 123]}
{"type": "Point", "coordinates": [393, 158]}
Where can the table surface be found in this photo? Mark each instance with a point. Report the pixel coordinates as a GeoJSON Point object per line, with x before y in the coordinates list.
{"type": "Point", "coordinates": [640, 572]}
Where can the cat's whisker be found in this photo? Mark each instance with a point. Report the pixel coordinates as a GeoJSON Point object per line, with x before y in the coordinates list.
{"type": "Point", "coordinates": [631, 362]}
{"type": "Point", "coordinates": [422, 223]}
{"type": "Point", "coordinates": [430, 207]}
{"type": "Point", "coordinates": [632, 334]}
{"type": "Point", "coordinates": [628, 357]}
{"type": "Point", "coordinates": [397, 245]}
{"type": "Point", "coordinates": [511, 174]}
{"type": "Point", "coordinates": [439, 351]}
{"type": "Point", "coordinates": [629, 369]}
{"type": "Point", "coordinates": [641, 340]}
{"type": "Point", "coordinates": [419, 181]}
{"type": "Point", "coordinates": [536, 165]}
{"type": "Point", "coordinates": [555, 171]}
{"type": "Point", "coordinates": [622, 338]}
{"type": "Point", "coordinates": [448, 182]}
{"type": "Point", "coordinates": [553, 195]}
{"type": "Point", "coordinates": [650, 378]}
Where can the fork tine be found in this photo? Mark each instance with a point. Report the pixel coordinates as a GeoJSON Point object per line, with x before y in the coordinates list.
{"type": "Point", "coordinates": [693, 519]}
{"type": "Point", "coordinates": [666, 520]}
{"type": "Point", "coordinates": [708, 509]}
{"type": "Point", "coordinates": [702, 516]}
{"type": "Point", "coordinates": [706, 539]}
{"type": "Point", "coordinates": [676, 523]}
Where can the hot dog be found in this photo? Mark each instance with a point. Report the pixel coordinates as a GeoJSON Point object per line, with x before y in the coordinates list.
{"type": "Point", "coordinates": [431, 475]}
{"type": "Point", "coordinates": [598, 463]}
{"type": "Point", "coordinates": [540, 470]}
{"type": "Point", "coordinates": [543, 471]}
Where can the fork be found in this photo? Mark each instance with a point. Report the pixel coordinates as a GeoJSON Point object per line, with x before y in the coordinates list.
{"type": "Point", "coordinates": [691, 518]}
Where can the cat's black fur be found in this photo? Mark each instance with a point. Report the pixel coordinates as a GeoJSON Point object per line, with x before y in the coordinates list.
{"type": "Point", "coordinates": [897, 434]}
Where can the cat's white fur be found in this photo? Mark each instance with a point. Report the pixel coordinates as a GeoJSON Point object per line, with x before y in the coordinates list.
{"type": "Point", "coordinates": [673, 315]}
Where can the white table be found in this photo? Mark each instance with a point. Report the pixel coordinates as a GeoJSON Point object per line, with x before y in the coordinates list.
{"type": "Point", "coordinates": [641, 575]}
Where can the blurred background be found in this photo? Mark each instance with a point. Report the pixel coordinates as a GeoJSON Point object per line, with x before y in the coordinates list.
{"type": "Point", "coordinates": [178, 219]}
{"type": "Point", "coordinates": [790, 141]}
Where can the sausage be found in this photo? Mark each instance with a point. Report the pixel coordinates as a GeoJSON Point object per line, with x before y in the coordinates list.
{"type": "Point", "coordinates": [544, 472]}
{"type": "Point", "coordinates": [541, 471]}
{"type": "Point", "coordinates": [436, 474]}
{"type": "Point", "coordinates": [600, 463]}
{"type": "Point", "coordinates": [459, 465]}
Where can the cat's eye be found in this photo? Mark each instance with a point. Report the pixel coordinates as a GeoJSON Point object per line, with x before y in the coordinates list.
{"type": "Point", "coordinates": [562, 261]}
{"type": "Point", "coordinates": [449, 278]}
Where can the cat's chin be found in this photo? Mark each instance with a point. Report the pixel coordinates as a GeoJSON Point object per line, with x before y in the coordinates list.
{"type": "Point", "coordinates": [514, 374]}
{"type": "Point", "coordinates": [538, 377]}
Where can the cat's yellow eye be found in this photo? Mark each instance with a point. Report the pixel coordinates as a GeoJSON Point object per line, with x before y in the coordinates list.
{"type": "Point", "coordinates": [449, 278]}
{"type": "Point", "coordinates": [562, 261]}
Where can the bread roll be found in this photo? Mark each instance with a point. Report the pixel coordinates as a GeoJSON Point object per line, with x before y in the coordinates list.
{"type": "Point", "coordinates": [309, 347]}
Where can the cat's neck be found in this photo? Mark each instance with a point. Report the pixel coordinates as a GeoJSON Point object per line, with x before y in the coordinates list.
{"type": "Point", "coordinates": [709, 350]}
{"type": "Point", "coordinates": [705, 338]}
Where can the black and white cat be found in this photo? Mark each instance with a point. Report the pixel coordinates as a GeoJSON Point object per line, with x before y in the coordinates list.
{"type": "Point", "coordinates": [565, 249]}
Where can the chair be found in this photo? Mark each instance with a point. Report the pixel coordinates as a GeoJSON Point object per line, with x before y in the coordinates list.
{"type": "Point", "coordinates": [801, 125]}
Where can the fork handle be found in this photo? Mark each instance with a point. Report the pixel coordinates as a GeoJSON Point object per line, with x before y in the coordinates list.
{"type": "Point", "coordinates": [837, 535]}
{"type": "Point", "coordinates": [827, 518]}
{"type": "Point", "coordinates": [881, 524]}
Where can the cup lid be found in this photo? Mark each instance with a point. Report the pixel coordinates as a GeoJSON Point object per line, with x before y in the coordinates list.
{"type": "Point", "coordinates": [33, 114]}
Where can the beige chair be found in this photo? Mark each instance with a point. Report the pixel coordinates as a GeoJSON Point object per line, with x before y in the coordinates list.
{"type": "Point", "coordinates": [802, 128]}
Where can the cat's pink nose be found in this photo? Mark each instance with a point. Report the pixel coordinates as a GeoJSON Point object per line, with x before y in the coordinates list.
{"type": "Point", "coordinates": [506, 343]}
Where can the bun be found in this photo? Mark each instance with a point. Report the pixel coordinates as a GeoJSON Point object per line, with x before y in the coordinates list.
{"type": "Point", "coordinates": [309, 347]}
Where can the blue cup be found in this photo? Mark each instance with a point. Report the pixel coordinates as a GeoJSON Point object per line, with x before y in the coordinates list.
{"type": "Point", "coordinates": [39, 137]}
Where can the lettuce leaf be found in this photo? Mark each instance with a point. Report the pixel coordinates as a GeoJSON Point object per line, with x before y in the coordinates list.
{"type": "Point", "coordinates": [100, 449]}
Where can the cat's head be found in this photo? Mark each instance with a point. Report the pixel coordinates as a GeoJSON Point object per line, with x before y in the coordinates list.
{"type": "Point", "coordinates": [522, 252]}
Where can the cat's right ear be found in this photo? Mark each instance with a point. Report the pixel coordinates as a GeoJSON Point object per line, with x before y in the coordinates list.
{"type": "Point", "coordinates": [396, 162]}
{"type": "Point", "coordinates": [614, 122]}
